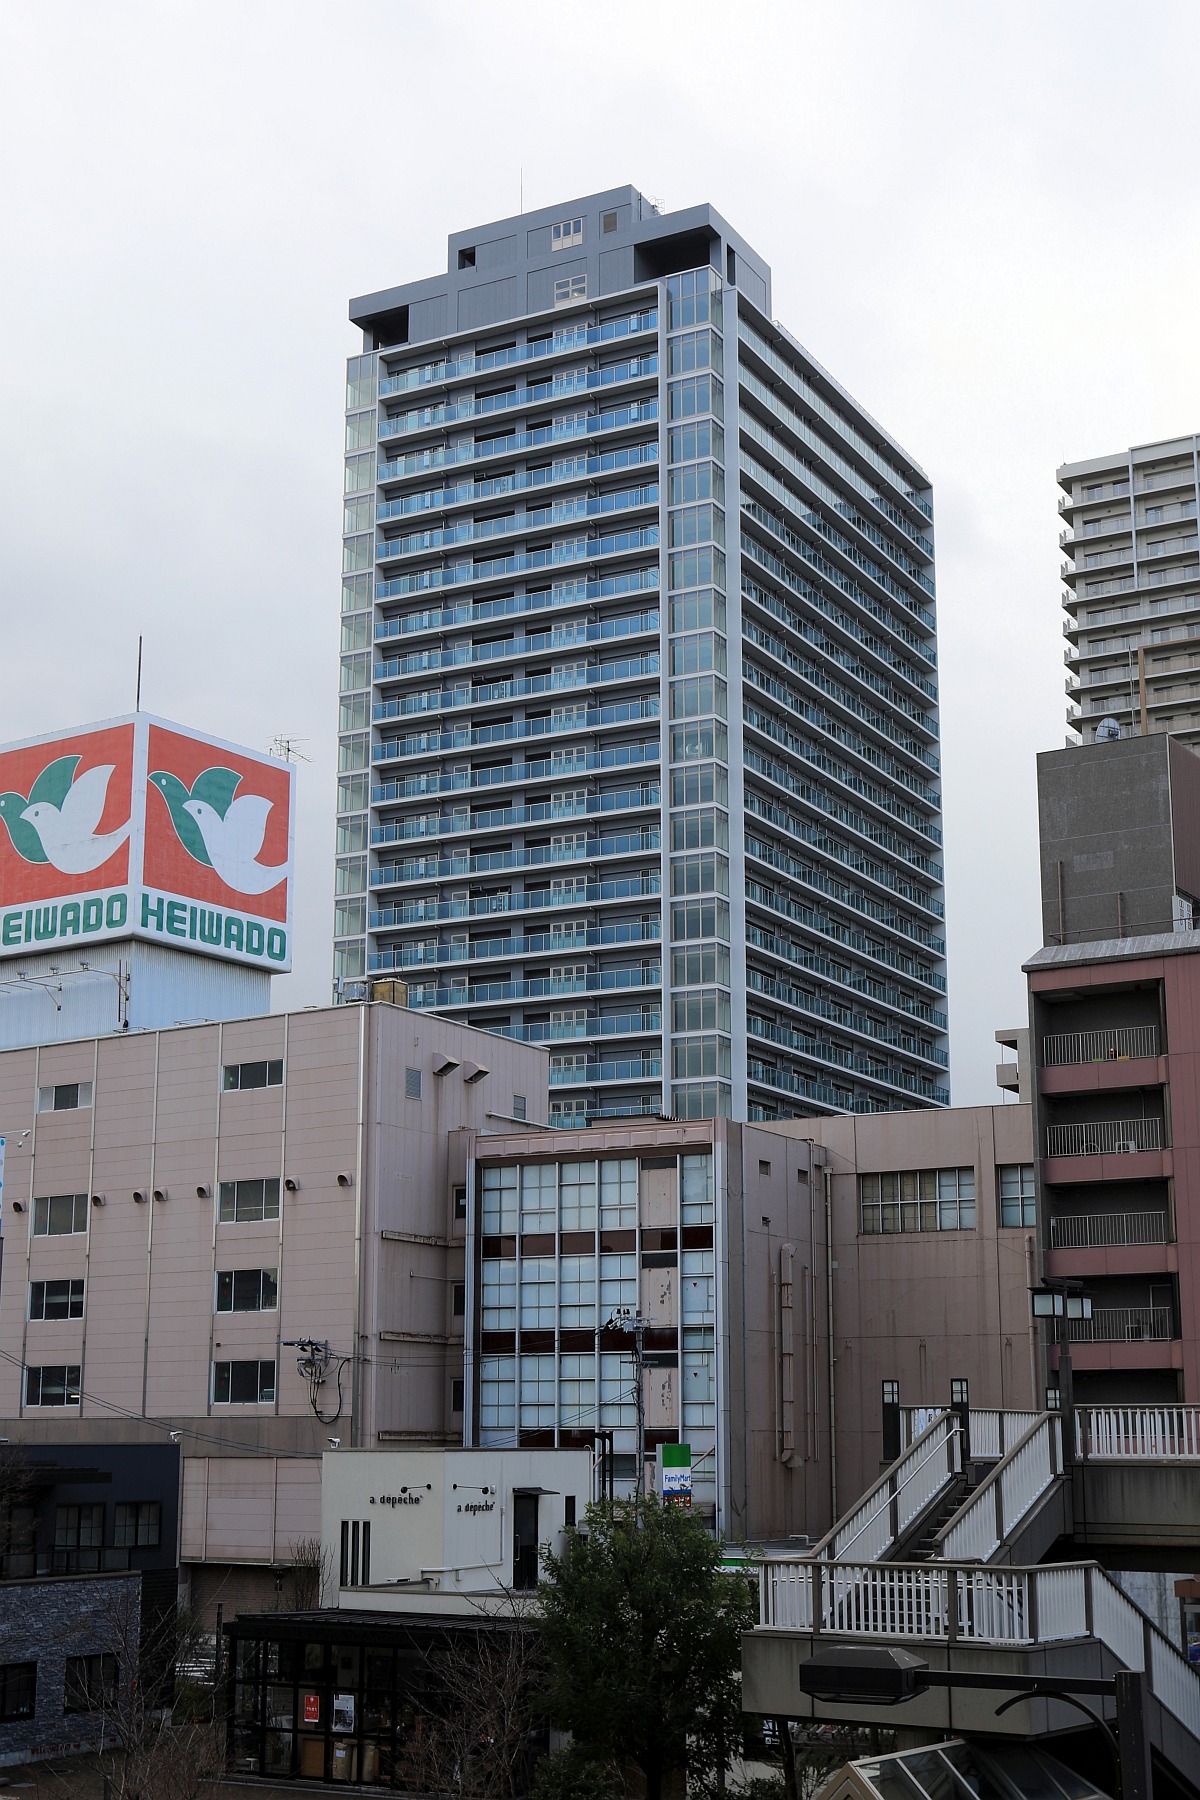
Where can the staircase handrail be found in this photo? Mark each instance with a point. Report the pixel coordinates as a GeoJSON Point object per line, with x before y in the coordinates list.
{"type": "Point", "coordinates": [881, 1502]}
{"type": "Point", "coordinates": [1005, 1496]}
{"type": "Point", "coordinates": [1017, 1607]}
{"type": "Point", "coordinates": [1150, 1433]}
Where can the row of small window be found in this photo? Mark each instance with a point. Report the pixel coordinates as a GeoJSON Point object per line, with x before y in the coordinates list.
{"type": "Point", "coordinates": [137, 1525]}
{"type": "Point", "coordinates": [580, 1292]}
{"type": "Point", "coordinates": [90, 1683]}
{"type": "Point", "coordinates": [909, 1200]}
{"type": "Point", "coordinates": [238, 1203]}
{"type": "Point", "coordinates": [573, 1195]}
{"type": "Point", "coordinates": [576, 1390]}
{"type": "Point", "coordinates": [237, 1290]}
{"type": "Point", "coordinates": [69, 1096]}
{"type": "Point", "coordinates": [249, 1383]}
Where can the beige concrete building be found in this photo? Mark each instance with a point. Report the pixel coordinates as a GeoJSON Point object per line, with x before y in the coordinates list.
{"type": "Point", "coordinates": [190, 1214]}
{"type": "Point", "coordinates": [799, 1280]}
{"type": "Point", "coordinates": [1132, 590]}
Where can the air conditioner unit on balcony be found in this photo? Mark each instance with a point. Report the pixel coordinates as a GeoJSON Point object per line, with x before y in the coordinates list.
{"type": "Point", "coordinates": [1126, 1147]}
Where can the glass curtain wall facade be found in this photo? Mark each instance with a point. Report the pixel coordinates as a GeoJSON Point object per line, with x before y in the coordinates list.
{"type": "Point", "coordinates": [638, 728]}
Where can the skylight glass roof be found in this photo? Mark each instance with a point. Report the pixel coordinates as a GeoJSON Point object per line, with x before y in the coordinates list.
{"type": "Point", "coordinates": [965, 1771]}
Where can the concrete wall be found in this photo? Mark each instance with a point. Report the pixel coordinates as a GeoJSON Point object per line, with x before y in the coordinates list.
{"type": "Point", "coordinates": [1105, 823]}
{"type": "Point", "coordinates": [442, 1519]}
{"type": "Point", "coordinates": [928, 1307]}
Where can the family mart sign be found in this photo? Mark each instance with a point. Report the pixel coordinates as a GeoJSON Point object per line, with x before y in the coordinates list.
{"type": "Point", "coordinates": [145, 829]}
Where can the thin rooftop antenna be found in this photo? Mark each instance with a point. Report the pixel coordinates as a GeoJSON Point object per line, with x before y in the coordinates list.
{"type": "Point", "coordinates": [137, 703]}
{"type": "Point", "coordinates": [285, 748]}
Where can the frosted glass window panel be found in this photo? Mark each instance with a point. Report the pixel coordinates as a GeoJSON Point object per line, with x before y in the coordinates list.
{"type": "Point", "coordinates": [537, 1392]}
{"type": "Point", "coordinates": [498, 1393]}
{"type": "Point", "coordinates": [577, 1391]}
{"type": "Point", "coordinates": [618, 1195]}
{"type": "Point", "coordinates": [537, 1293]}
{"type": "Point", "coordinates": [577, 1293]}
{"type": "Point", "coordinates": [697, 1190]}
{"type": "Point", "coordinates": [698, 1287]}
{"type": "Point", "coordinates": [499, 1294]}
{"type": "Point", "coordinates": [539, 1196]}
{"type": "Point", "coordinates": [578, 1196]}
{"type": "Point", "coordinates": [699, 1387]}
{"type": "Point", "coordinates": [618, 1283]}
{"type": "Point", "coordinates": [499, 1211]}
{"type": "Point", "coordinates": [617, 1404]}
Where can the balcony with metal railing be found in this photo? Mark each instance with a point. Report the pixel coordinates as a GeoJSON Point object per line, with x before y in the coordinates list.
{"type": "Point", "coordinates": [1123, 1325]}
{"type": "Point", "coordinates": [1113, 1044]}
{"type": "Point", "coordinates": [1103, 1231]}
{"type": "Point", "coordinates": [565, 718]}
{"type": "Point", "coordinates": [563, 895]}
{"type": "Point", "coordinates": [1105, 1137]}
{"type": "Point", "coordinates": [586, 850]}
{"type": "Point", "coordinates": [506, 606]}
{"type": "Point", "coordinates": [419, 956]}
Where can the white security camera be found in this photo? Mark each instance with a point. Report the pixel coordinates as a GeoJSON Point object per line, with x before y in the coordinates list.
{"type": "Point", "coordinates": [334, 1443]}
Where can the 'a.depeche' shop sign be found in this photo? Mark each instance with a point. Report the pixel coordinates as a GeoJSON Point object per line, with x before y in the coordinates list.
{"type": "Point", "coordinates": [406, 1496]}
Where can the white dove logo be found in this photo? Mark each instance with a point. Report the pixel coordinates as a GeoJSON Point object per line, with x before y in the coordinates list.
{"type": "Point", "coordinates": [217, 829]}
{"type": "Point", "coordinates": [67, 832]}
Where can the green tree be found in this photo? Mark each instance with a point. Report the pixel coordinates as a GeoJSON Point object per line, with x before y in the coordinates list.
{"type": "Point", "coordinates": [642, 1632]}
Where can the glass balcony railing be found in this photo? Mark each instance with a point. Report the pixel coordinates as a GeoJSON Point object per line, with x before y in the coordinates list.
{"type": "Point", "coordinates": [551, 768]}
{"type": "Point", "coordinates": [542, 393]}
{"type": "Point", "coordinates": [562, 512]}
{"type": "Point", "coordinates": [544, 812]}
{"type": "Point", "coordinates": [564, 895]}
{"type": "Point", "coordinates": [498, 487]}
{"type": "Point", "coordinates": [505, 606]}
{"type": "Point", "coordinates": [558, 343]}
{"type": "Point", "coordinates": [439, 868]}
{"type": "Point", "coordinates": [521, 562]}
{"type": "Point", "coordinates": [540, 943]}
{"type": "Point", "coordinates": [488, 993]}
{"type": "Point", "coordinates": [568, 719]}
{"type": "Point", "coordinates": [646, 1068]}
{"type": "Point", "coordinates": [603, 1025]}
{"type": "Point", "coordinates": [516, 687]}
{"type": "Point", "coordinates": [571, 636]}
{"type": "Point", "coordinates": [561, 431]}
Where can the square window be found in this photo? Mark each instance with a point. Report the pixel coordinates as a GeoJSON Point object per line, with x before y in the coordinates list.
{"type": "Point", "coordinates": [466, 257]}
{"type": "Point", "coordinates": [138, 1525]}
{"type": "Point", "coordinates": [18, 1690]}
{"type": "Point", "coordinates": [243, 1383]}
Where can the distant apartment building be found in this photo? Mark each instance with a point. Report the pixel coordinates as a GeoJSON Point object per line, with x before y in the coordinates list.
{"type": "Point", "coordinates": [244, 1234]}
{"type": "Point", "coordinates": [1132, 590]}
{"type": "Point", "coordinates": [1113, 1006]}
{"type": "Point", "coordinates": [638, 750]}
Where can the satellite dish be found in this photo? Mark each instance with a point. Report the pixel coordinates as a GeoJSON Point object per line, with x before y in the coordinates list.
{"type": "Point", "coordinates": [1107, 731]}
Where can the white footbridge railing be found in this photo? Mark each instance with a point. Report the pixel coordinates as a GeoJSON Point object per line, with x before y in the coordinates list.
{"type": "Point", "coordinates": [1004, 1608]}
{"type": "Point", "coordinates": [899, 1496]}
{"type": "Point", "coordinates": [1010, 1492]}
{"type": "Point", "coordinates": [1138, 1433]}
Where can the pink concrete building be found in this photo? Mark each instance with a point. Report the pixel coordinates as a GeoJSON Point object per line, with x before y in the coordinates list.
{"type": "Point", "coordinates": [185, 1210]}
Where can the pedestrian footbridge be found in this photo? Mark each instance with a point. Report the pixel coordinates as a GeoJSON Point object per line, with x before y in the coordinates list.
{"type": "Point", "coordinates": [943, 1555]}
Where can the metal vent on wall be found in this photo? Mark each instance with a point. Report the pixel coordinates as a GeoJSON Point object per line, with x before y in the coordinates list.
{"type": "Point", "coordinates": [412, 1084]}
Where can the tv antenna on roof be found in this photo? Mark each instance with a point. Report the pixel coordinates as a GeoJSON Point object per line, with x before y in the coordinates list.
{"type": "Point", "coordinates": [287, 749]}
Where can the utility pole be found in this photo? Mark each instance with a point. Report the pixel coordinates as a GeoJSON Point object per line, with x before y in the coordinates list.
{"type": "Point", "coordinates": [635, 1325]}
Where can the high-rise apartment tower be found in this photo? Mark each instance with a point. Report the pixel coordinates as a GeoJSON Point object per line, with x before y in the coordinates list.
{"type": "Point", "coordinates": [639, 741]}
{"type": "Point", "coordinates": [1132, 594]}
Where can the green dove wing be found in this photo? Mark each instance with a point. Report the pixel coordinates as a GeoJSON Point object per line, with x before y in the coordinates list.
{"type": "Point", "coordinates": [186, 828]}
{"type": "Point", "coordinates": [25, 840]}
{"type": "Point", "coordinates": [217, 787]}
{"type": "Point", "coordinates": [54, 783]}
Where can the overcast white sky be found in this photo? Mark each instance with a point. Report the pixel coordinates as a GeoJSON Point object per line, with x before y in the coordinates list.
{"type": "Point", "coordinates": [981, 217]}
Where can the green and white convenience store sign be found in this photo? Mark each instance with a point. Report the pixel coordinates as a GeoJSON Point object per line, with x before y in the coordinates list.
{"type": "Point", "coordinates": [675, 1473]}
